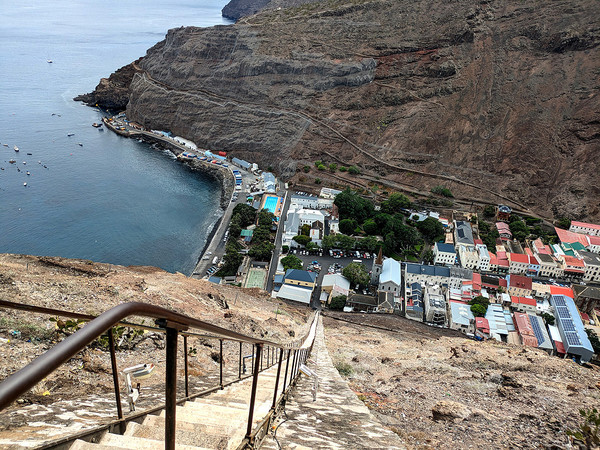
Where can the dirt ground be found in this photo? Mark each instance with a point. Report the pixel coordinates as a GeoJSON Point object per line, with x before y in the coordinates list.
{"type": "Point", "coordinates": [92, 288]}
{"type": "Point", "coordinates": [438, 390]}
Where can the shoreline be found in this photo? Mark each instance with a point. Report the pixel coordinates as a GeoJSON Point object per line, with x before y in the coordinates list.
{"type": "Point", "coordinates": [224, 176]}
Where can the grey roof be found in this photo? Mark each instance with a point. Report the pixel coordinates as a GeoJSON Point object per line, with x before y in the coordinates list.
{"type": "Point", "coordinates": [300, 275]}
{"type": "Point", "coordinates": [464, 234]}
{"type": "Point", "coordinates": [586, 291]}
{"type": "Point", "coordinates": [504, 209]}
{"type": "Point", "coordinates": [591, 259]}
{"type": "Point", "coordinates": [295, 293]}
{"type": "Point", "coordinates": [390, 272]}
{"type": "Point", "coordinates": [292, 222]}
{"type": "Point", "coordinates": [359, 299]}
{"type": "Point", "coordinates": [446, 248]}
{"type": "Point", "coordinates": [421, 269]}
{"type": "Point", "coordinates": [459, 272]}
{"type": "Point", "coordinates": [541, 333]}
{"type": "Point", "coordinates": [213, 279]}
{"type": "Point", "coordinates": [241, 163]}
{"type": "Point", "coordinates": [571, 328]}
{"type": "Point", "coordinates": [542, 257]}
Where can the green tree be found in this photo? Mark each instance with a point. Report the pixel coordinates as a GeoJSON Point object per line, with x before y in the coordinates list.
{"type": "Point", "coordinates": [442, 190]}
{"type": "Point", "coordinates": [589, 431]}
{"type": "Point", "coordinates": [431, 229]}
{"type": "Point", "coordinates": [489, 211]}
{"type": "Point", "coordinates": [301, 239]}
{"type": "Point", "coordinates": [306, 169]}
{"type": "Point", "coordinates": [291, 262]}
{"type": "Point", "coordinates": [337, 303]}
{"type": "Point", "coordinates": [328, 242]}
{"type": "Point", "coordinates": [343, 169]}
{"type": "Point", "coordinates": [353, 170]}
{"type": "Point", "coordinates": [370, 227]}
{"type": "Point", "coordinates": [262, 251]}
{"type": "Point", "coordinates": [478, 310]}
{"type": "Point", "coordinates": [261, 234]}
{"type": "Point", "coordinates": [246, 212]}
{"type": "Point", "coordinates": [594, 340]}
{"type": "Point", "coordinates": [394, 203]}
{"type": "Point", "coordinates": [345, 242]}
{"type": "Point", "coordinates": [332, 167]}
{"type": "Point", "coordinates": [266, 218]}
{"type": "Point", "coordinates": [369, 243]}
{"type": "Point", "coordinates": [305, 229]}
{"type": "Point", "coordinates": [356, 273]}
{"type": "Point", "coordinates": [318, 163]}
{"type": "Point", "coordinates": [353, 206]}
{"type": "Point", "coordinates": [519, 230]}
{"type": "Point", "coordinates": [564, 222]}
{"type": "Point", "coordinates": [285, 248]}
{"type": "Point", "coordinates": [428, 256]}
{"type": "Point", "coordinates": [317, 181]}
{"type": "Point", "coordinates": [347, 226]}
{"type": "Point", "coordinates": [312, 246]}
{"type": "Point", "coordinates": [549, 318]}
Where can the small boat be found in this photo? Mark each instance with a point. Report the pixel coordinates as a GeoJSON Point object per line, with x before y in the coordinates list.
{"type": "Point", "coordinates": [28, 173]}
{"type": "Point", "coordinates": [6, 145]}
{"type": "Point", "coordinates": [70, 134]}
{"type": "Point", "coordinates": [15, 148]}
{"type": "Point", "coordinates": [24, 184]}
{"type": "Point", "coordinates": [80, 144]}
{"type": "Point", "coordinates": [25, 162]}
{"type": "Point", "coordinates": [29, 154]}
{"type": "Point", "coordinates": [12, 161]}
{"type": "Point", "coordinates": [96, 125]}
{"type": "Point", "coordinates": [49, 61]}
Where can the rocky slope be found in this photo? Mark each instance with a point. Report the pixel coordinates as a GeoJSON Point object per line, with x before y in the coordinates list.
{"type": "Point", "coordinates": [440, 391]}
{"type": "Point", "coordinates": [496, 100]}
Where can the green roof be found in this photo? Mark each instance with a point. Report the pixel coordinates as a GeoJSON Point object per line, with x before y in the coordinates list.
{"type": "Point", "coordinates": [246, 233]}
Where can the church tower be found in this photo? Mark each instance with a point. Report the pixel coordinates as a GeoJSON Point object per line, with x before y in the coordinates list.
{"type": "Point", "coordinates": [377, 266]}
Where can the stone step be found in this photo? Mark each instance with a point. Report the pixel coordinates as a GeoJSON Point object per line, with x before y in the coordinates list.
{"type": "Point", "coordinates": [194, 434]}
{"type": "Point", "coordinates": [205, 416]}
{"type": "Point", "coordinates": [231, 402]}
{"type": "Point", "coordinates": [135, 443]}
{"type": "Point", "coordinates": [224, 407]}
{"type": "Point", "coordinates": [83, 445]}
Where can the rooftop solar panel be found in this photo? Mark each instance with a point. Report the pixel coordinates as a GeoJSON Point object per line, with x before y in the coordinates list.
{"type": "Point", "coordinates": [563, 312]}
{"type": "Point", "coordinates": [559, 300]}
{"type": "Point", "coordinates": [572, 338]}
{"type": "Point", "coordinates": [568, 325]}
{"type": "Point", "coordinates": [535, 325]}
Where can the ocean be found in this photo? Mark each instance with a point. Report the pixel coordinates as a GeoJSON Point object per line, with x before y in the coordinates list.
{"type": "Point", "coordinates": [93, 195]}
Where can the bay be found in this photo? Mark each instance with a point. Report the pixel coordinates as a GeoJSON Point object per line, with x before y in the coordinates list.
{"type": "Point", "coordinates": [109, 199]}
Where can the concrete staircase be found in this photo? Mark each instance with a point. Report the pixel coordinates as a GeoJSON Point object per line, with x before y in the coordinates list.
{"type": "Point", "coordinates": [217, 421]}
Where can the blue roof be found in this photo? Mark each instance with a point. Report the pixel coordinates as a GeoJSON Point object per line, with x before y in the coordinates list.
{"type": "Point", "coordinates": [446, 248]}
{"type": "Point", "coordinates": [300, 275]}
{"type": "Point", "coordinates": [421, 269]}
{"type": "Point", "coordinates": [216, 280]}
{"type": "Point", "coordinates": [390, 271]}
{"type": "Point", "coordinates": [571, 328]}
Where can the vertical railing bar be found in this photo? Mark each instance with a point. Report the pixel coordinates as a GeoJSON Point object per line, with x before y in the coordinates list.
{"type": "Point", "coordinates": [221, 362]}
{"type": "Point", "coordinates": [252, 360]}
{"type": "Point", "coordinates": [115, 372]}
{"type": "Point", "coordinates": [171, 388]}
{"type": "Point", "coordinates": [287, 364]}
{"type": "Point", "coordinates": [260, 359]}
{"type": "Point", "coordinates": [277, 379]}
{"type": "Point", "coordinates": [240, 362]}
{"type": "Point", "coordinates": [253, 393]}
{"type": "Point", "coordinates": [185, 358]}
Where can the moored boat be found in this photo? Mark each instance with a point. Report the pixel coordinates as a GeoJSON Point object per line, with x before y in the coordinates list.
{"type": "Point", "coordinates": [96, 125]}
{"type": "Point", "coordinates": [16, 149]}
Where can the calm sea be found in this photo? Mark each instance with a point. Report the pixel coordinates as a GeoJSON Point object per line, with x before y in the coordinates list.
{"type": "Point", "coordinates": [109, 199]}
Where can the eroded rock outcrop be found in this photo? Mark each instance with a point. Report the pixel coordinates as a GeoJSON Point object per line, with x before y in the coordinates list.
{"type": "Point", "coordinates": [496, 100]}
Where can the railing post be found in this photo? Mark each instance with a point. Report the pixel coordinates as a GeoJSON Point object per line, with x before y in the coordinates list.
{"type": "Point", "coordinates": [240, 362]}
{"type": "Point", "coordinates": [259, 348]}
{"type": "Point", "coordinates": [277, 379]}
{"type": "Point", "coordinates": [287, 364]}
{"type": "Point", "coordinates": [115, 372]}
{"type": "Point", "coordinates": [260, 358]}
{"type": "Point", "coordinates": [221, 362]}
{"type": "Point", "coordinates": [293, 372]}
{"type": "Point", "coordinates": [171, 388]}
{"type": "Point", "coordinates": [252, 361]}
{"type": "Point", "coordinates": [185, 358]}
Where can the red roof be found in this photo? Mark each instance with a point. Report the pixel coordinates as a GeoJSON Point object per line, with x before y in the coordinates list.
{"type": "Point", "coordinates": [585, 225]}
{"type": "Point", "coordinates": [528, 252]}
{"type": "Point", "coordinates": [477, 241]}
{"type": "Point", "coordinates": [559, 290]}
{"type": "Point", "coordinates": [523, 300]}
{"type": "Point", "coordinates": [501, 255]}
{"type": "Point", "coordinates": [493, 260]}
{"type": "Point", "coordinates": [482, 324]}
{"type": "Point", "coordinates": [533, 260]}
{"type": "Point", "coordinates": [585, 317]}
{"type": "Point", "coordinates": [560, 348]}
{"type": "Point", "coordinates": [502, 227]}
{"type": "Point", "coordinates": [520, 281]}
{"type": "Point", "coordinates": [574, 262]}
{"type": "Point", "coordinates": [523, 326]}
{"type": "Point", "coordinates": [569, 237]}
{"type": "Point", "coordinates": [594, 240]}
{"type": "Point", "coordinates": [518, 258]}
{"type": "Point", "coordinates": [503, 282]}
{"type": "Point", "coordinates": [476, 278]}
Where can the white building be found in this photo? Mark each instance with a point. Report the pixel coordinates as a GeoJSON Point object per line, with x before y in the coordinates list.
{"type": "Point", "coordinates": [484, 258]}
{"type": "Point", "coordinates": [390, 279]}
{"type": "Point", "coordinates": [329, 193]}
{"type": "Point", "coordinates": [435, 305]}
{"type": "Point", "coordinates": [298, 201]}
{"type": "Point", "coordinates": [518, 263]}
{"type": "Point", "coordinates": [549, 267]}
{"type": "Point", "coordinates": [468, 256]}
{"type": "Point", "coordinates": [592, 266]}
{"type": "Point", "coordinates": [444, 254]}
{"type": "Point", "coordinates": [585, 228]}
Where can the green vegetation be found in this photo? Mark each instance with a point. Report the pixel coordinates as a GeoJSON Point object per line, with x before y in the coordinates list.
{"type": "Point", "coordinates": [347, 226]}
{"type": "Point", "coordinates": [285, 248]}
{"type": "Point", "coordinates": [442, 190]}
{"type": "Point", "coordinates": [594, 340]}
{"type": "Point", "coordinates": [479, 306]}
{"type": "Point", "coordinates": [332, 167]}
{"type": "Point", "coordinates": [589, 431]}
{"type": "Point", "coordinates": [291, 262]}
{"type": "Point", "coordinates": [394, 203]}
{"type": "Point", "coordinates": [431, 229]}
{"type": "Point", "coordinates": [357, 274]}
{"type": "Point", "coordinates": [353, 206]}
{"type": "Point", "coordinates": [353, 170]}
{"type": "Point", "coordinates": [306, 169]}
{"type": "Point", "coordinates": [338, 302]}
{"type": "Point", "coordinates": [262, 251]}
{"type": "Point", "coordinates": [343, 169]}
{"type": "Point", "coordinates": [564, 223]}
{"type": "Point", "coordinates": [344, 368]}
{"type": "Point", "coordinates": [302, 239]}
{"type": "Point", "coordinates": [28, 330]}
{"type": "Point", "coordinates": [489, 211]}
{"type": "Point", "coordinates": [549, 318]}
{"type": "Point", "coordinates": [317, 181]}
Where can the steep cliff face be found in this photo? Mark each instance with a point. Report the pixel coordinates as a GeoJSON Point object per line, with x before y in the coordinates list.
{"type": "Point", "coordinates": [497, 100]}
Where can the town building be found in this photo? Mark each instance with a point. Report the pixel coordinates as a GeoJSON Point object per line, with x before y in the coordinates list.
{"type": "Point", "coordinates": [329, 193]}
{"type": "Point", "coordinates": [594, 245]}
{"type": "Point", "coordinates": [504, 230]}
{"type": "Point", "coordinates": [413, 308]}
{"type": "Point", "coordinates": [570, 326]}
{"type": "Point", "coordinates": [519, 285]}
{"type": "Point", "coordinates": [424, 274]}
{"type": "Point", "coordinates": [549, 267]}
{"type": "Point", "coordinates": [298, 201]}
{"type": "Point", "coordinates": [444, 254]}
{"type": "Point", "coordinates": [523, 304]}
{"type": "Point", "coordinates": [585, 228]}
{"type": "Point", "coordinates": [496, 319]}
{"type": "Point", "coordinates": [461, 317]}
{"type": "Point", "coordinates": [458, 275]}
{"type": "Point", "coordinates": [360, 302]}
{"type": "Point", "coordinates": [463, 234]}
{"type": "Point", "coordinates": [587, 298]}
{"type": "Point", "coordinates": [503, 213]}
{"type": "Point", "coordinates": [518, 263]}
{"type": "Point", "coordinates": [335, 284]}
{"type": "Point", "coordinates": [298, 286]}
{"type": "Point", "coordinates": [468, 256]}
{"type": "Point", "coordinates": [269, 182]}
{"type": "Point", "coordinates": [592, 266]}
{"type": "Point", "coordinates": [484, 259]}
{"type": "Point", "coordinates": [435, 305]}
{"type": "Point", "coordinates": [390, 277]}
{"type": "Point", "coordinates": [534, 266]}
{"type": "Point", "coordinates": [574, 268]}
{"type": "Point", "coordinates": [377, 267]}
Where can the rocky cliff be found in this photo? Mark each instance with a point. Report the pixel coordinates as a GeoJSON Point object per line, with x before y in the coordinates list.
{"type": "Point", "coordinates": [496, 100]}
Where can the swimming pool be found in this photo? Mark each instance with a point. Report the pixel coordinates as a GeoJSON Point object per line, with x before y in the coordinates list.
{"type": "Point", "coordinates": [271, 204]}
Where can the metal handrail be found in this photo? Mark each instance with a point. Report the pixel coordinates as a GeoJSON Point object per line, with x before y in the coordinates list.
{"type": "Point", "coordinates": [172, 322]}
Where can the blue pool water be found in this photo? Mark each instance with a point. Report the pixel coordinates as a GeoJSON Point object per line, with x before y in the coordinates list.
{"type": "Point", "coordinates": [271, 204]}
